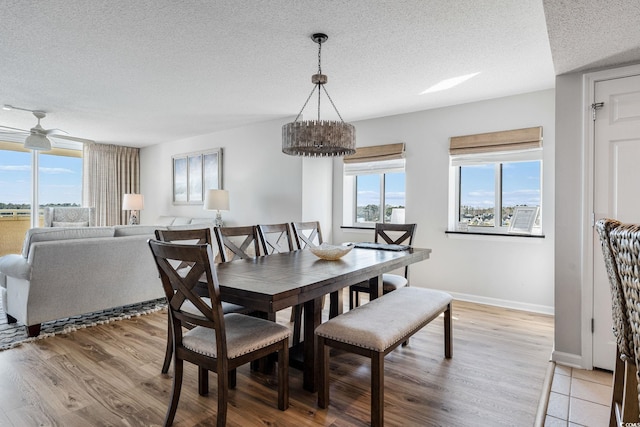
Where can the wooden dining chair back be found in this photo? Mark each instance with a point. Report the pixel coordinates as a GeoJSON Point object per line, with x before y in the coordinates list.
{"type": "Point", "coordinates": [219, 342]}
{"type": "Point", "coordinates": [237, 242]}
{"type": "Point", "coordinates": [307, 233]}
{"type": "Point", "coordinates": [275, 238]}
{"type": "Point", "coordinates": [620, 248]}
{"type": "Point", "coordinates": [200, 236]}
{"type": "Point", "coordinates": [391, 234]}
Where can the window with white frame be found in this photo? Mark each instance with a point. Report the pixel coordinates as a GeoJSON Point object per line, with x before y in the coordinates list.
{"type": "Point", "coordinates": [374, 186]}
{"type": "Point", "coordinates": [494, 175]}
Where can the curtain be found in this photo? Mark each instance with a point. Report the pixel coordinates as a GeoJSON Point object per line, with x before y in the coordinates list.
{"type": "Point", "coordinates": [109, 172]}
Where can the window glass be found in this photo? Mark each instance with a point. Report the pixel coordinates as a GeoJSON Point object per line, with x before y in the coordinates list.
{"type": "Point", "coordinates": [59, 180]}
{"type": "Point", "coordinates": [520, 187]}
{"type": "Point", "coordinates": [15, 199]}
{"type": "Point", "coordinates": [394, 194]}
{"type": "Point", "coordinates": [368, 198]}
{"type": "Point", "coordinates": [477, 195]}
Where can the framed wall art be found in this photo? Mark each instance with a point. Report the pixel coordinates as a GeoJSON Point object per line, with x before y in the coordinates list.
{"type": "Point", "coordinates": [194, 173]}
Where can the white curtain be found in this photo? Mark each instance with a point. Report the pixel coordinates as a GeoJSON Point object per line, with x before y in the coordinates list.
{"type": "Point", "coordinates": [109, 172]}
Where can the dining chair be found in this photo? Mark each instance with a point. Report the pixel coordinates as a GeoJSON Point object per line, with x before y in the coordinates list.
{"type": "Point", "coordinates": [237, 242]}
{"type": "Point", "coordinates": [197, 236]}
{"type": "Point", "coordinates": [393, 234]}
{"type": "Point", "coordinates": [276, 238]}
{"type": "Point", "coordinates": [307, 233]}
{"type": "Point", "coordinates": [219, 342]}
{"type": "Point", "coordinates": [624, 399]}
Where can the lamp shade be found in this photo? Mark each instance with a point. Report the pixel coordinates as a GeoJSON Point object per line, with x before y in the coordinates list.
{"type": "Point", "coordinates": [216, 200]}
{"type": "Point", "coordinates": [132, 202]}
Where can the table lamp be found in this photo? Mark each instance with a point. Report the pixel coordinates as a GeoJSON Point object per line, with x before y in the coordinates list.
{"type": "Point", "coordinates": [217, 200]}
{"type": "Point", "coordinates": [133, 203]}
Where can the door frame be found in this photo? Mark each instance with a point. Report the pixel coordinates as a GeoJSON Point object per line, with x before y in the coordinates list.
{"type": "Point", "coordinates": [589, 81]}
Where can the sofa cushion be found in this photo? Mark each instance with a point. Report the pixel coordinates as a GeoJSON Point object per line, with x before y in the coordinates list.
{"type": "Point", "coordinates": [48, 234]}
{"type": "Point", "coordinates": [70, 224]}
{"type": "Point", "coordinates": [181, 220]}
{"type": "Point", "coordinates": [208, 221]}
{"type": "Point", "coordinates": [136, 230]}
{"type": "Point", "coordinates": [165, 220]}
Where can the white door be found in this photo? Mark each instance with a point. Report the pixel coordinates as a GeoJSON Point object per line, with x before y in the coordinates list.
{"type": "Point", "coordinates": [616, 191]}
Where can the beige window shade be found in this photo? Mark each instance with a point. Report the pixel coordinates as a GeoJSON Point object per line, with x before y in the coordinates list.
{"type": "Point", "coordinates": [376, 153]}
{"type": "Point", "coordinates": [494, 142]}
{"type": "Point", "coordinates": [14, 146]}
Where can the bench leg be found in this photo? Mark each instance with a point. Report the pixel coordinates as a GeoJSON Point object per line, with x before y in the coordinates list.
{"type": "Point", "coordinates": [448, 342]}
{"type": "Point", "coordinates": [377, 389]}
{"type": "Point", "coordinates": [323, 376]}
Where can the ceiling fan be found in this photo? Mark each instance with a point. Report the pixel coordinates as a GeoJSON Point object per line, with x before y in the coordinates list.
{"type": "Point", "coordinates": [37, 136]}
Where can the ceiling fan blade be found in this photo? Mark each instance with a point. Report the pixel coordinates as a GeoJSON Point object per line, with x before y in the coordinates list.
{"type": "Point", "coordinates": [72, 138]}
{"type": "Point", "coordinates": [55, 131]}
{"type": "Point", "coordinates": [16, 129]}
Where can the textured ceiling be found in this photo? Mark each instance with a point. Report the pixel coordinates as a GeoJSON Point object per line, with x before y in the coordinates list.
{"type": "Point", "coordinates": [151, 71]}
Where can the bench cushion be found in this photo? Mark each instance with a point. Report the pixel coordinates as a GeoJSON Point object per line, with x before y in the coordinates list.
{"type": "Point", "coordinates": [386, 320]}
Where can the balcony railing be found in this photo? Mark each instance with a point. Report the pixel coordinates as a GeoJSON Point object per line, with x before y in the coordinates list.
{"type": "Point", "coordinates": [14, 224]}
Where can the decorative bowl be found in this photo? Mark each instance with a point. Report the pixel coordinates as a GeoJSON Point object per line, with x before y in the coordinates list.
{"type": "Point", "coordinates": [330, 252]}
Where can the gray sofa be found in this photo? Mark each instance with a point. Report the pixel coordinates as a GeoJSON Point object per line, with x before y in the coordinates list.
{"type": "Point", "coordinates": [63, 272]}
{"type": "Point", "coordinates": [67, 271]}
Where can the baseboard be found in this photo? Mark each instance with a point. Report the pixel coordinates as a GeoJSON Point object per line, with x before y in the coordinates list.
{"type": "Point", "coordinates": [567, 359]}
{"type": "Point", "coordinates": [535, 308]}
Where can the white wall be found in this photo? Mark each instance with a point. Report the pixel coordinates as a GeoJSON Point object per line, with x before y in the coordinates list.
{"type": "Point", "coordinates": [268, 186]}
{"type": "Point", "coordinates": [265, 185]}
{"type": "Point", "coordinates": [510, 271]}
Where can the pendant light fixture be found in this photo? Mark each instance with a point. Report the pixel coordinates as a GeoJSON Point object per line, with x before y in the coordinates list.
{"type": "Point", "coordinates": [315, 138]}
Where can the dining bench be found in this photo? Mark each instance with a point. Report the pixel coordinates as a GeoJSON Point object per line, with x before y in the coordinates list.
{"type": "Point", "coordinates": [377, 328]}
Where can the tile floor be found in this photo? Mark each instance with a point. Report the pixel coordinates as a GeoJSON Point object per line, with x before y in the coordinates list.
{"type": "Point", "coordinates": [579, 398]}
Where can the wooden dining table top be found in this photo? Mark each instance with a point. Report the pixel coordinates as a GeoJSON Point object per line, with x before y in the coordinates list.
{"type": "Point", "coordinates": [275, 282]}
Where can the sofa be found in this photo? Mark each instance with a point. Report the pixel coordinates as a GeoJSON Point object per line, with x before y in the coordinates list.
{"type": "Point", "coordinates": [68, 271]}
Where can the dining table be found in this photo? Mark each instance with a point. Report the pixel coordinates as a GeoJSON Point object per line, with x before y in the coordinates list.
{"type": "Point", "coordinates": [268, 284]}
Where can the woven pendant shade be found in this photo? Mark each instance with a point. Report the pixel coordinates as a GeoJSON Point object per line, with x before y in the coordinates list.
{"type": "Point", "coordinates": [318, 138]}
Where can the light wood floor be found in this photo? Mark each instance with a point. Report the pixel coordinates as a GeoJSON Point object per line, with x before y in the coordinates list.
{"type": "Point", "coordinates": [109, 375]}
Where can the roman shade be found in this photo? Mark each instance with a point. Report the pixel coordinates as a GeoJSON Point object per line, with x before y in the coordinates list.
{"type": "Point", "coordinates": [376, 153]}
{"type": "Point", "coordinates": [497, 142]}
{"type": "Point", "coordinates": [387, 158]}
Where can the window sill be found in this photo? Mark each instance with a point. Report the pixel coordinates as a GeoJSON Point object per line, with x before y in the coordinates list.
{"type": "Point", "coordinates": [481, 233]}
{"type": "Point", "coordinates": [357, 227]}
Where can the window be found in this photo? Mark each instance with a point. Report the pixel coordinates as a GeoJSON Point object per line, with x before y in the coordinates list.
{"type": "Point", "coordinates": [492, 179]}
{"type": "Point", "coordinates": [56, 176]}
{"type": "Point", "coordinates": [374, 186]}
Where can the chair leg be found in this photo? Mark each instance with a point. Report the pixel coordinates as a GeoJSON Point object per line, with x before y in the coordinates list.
{"type": "Point", "coordinates": [175, 392]}
{"type": "Point", "coordinates": [223, 397]}
{"type": "Point", "coordinates": [618, 389]}
{"type": "Point", "coordinates": [323, 375]}
{"type": "Point", "coordinates": [168, 354]}
{"type": "Point", "coordinates": [630, 399]}
{"type": "Point", "coordinates": [297, 323]}
{"type": "Point", "coordinates": [377, 389]}
{"type": "Point", "coordinates": [283, 376]}
{"type": "Point", "coordinates": [448, 341]}
{"type": "Point", "coordinates": [351, 299]}
{"type": "Point", "coordinates": [203, 381]}
{"type": "Point", "coordinates": [232, 379]}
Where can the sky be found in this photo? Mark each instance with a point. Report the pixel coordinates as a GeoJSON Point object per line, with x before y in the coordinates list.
{"type": "Point", "coordinates": [368, 189]}
{"type": "Point", "coordinates": [520, 185]}
{"type": "Point", "coordinates": [60, 178]}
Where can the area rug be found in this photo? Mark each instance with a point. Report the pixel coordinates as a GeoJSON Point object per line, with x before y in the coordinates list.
{"type": "Point", "coordinates": [15, 334]}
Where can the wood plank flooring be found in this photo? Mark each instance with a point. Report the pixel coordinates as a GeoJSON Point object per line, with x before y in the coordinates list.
{"type": "Point", "coordinates": [109, 375]}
